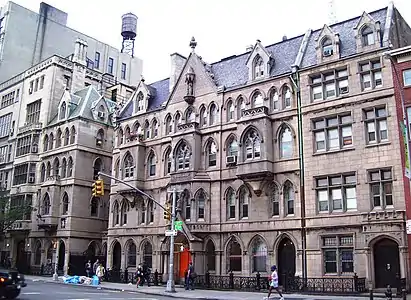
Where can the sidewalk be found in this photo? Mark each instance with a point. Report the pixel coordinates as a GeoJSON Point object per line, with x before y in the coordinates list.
{"type": "Point", "coordinates": [181, 293]}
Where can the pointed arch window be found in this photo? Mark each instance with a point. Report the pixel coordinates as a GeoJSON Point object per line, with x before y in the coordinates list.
{"type": "Point", "coordinates": [150, 212]}
{"type": "Point", "coordinates": [56, 167]}
{"type": "Point", "coordinates": [210, 256]}
{"type": "Point", "coordinates": [367, 35]}
{"type": "Point", "coordinates": [100, 138]}
{"type": "Point", "coordinates": [72, 135]}
{"type": "Point", "coordinates": [151, 163]}
{"type": "Point", "coordinates": [203, 116]}
{"type": "Point", "coordinates": [42, 172]}
{"type": "Point", "coordinates": [200, 199]}
{"type": "Point", "coordinates": [70, 167]}
{"type": "Point", "coordinates": [259, 255]}
{"type": "Point", "coordinates": [258, 100]}
{"type": "Point", "coordinates": [231, 199]}
{"type": "Point", "coordinates": [287, 97]}
{"type": "Point", "coordinates": [131, 255]}
{"type": "Point", "coordinates": [167, 159]}
{"type": "Point", "coordinates": [275, 200]}
{"type": "Point", "coordinates": [211, 154]}
{"type": "Point", "coordinates": [235, 256]}
{"type": "Point", "coordinates": [286, 143]}
{"type": "Point", "coordinates": [275, 99]}
{"type": "Point", "coordinates": [125, 208]}
{"type": "Point", "coordinates": [230, 111]}
{"type": "Point", "coordinates": [128, 170]}
{"type": "Point", "coordinates": [148, 254]}
{"type": "Point", "coordinates": [177, 121]}
{"type": "Point", "coordinates": [289, 195]}
{"type": "Point", "coordinates": [51, 141]}
{"type": "Point", "coordinates": [146, 130]}
{"type": "Point", "coordinates": [252, 143]}
{"type": "Point", "coordinates": [232, 147]}
{"type": "Point", "coordinates": [143, 212]}
{"type": "Point", "coordinates": [169, 125]}
{"type": "Point", "coordinates": [187, 208]}
{"type": "Point", "coordinates": [64, 168]}
{"type": "Point", "coordinates": [154, 133]}
{"type": "Point", "coordinates": [139, 102]}
{"type": "Point", "coordinates": [116, 214]}
{"type": "Point", "coordinates": [63, 109]}
{"type": "Point", "coordinates": [94, 206]}
{"type": "Point", "coordinates": [48, 170]}
{"type": "Point", "coordinates": [117, 168]}
{"type": "Point", "coordinates": [46, 204]}
{"type": "Point", "coordinates": [58, 138]}
{"type": "Point", "coordinates": [190, 115]}
{"type": "Point", "coordinates": [258, 67]}
{"type": "Point", "coordinates": [66, 137]}
{"type": "Point", "coordinates": [240, 108]}
{"type": "Point", "coordinates": [46, 143]}
{"type": "Point", "coordinates": [183, 157]}
{"type": "Point", "coordinates": [327, 47]}
{"type": "Point", "coordinates": [120, 137]}
{"type": "Point", "coordinates": [213, 114]}
{"type": "Point", "coordinates": [97, 167]}
{"type": "Point", "coordinates": [136, 128]}
{"type": "Point", "coordinates": [244, 197]}
{"type": "Point", "coordinates": [37, 258]}
{"type": "Point", "coordinates": [65, 203]}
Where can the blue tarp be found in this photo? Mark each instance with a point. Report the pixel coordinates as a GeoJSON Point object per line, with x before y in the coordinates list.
{"type": "Point", "coordinates": [72, 279]}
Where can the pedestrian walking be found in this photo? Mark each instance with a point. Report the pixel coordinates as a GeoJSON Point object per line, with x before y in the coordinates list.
{"type": "Point", "coordinates": [191, 275]}
{"type": "Point", "coordinates": [100, 272]}
{"type": "Point", "coordinates": [139, 275]}
{"type": "Point", "coordinates": [95, 266]}
{"type": "Point", "coordinates": [273, 280]}
{"type": "Point", "coordinates": [88, 269]}
{"type": "Point", "coordinates": [146, 274]}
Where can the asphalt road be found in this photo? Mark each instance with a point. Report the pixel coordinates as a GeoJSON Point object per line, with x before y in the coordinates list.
{"type": "Point", "coordinates": [52, 291]}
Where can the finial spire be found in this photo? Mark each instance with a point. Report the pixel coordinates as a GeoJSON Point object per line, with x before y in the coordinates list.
{"type": "Point", "coordinates": [193, 43]}
{"type": "Point", "coordinates": [142, 78]}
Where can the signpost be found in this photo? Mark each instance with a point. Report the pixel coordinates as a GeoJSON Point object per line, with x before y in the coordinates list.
{"type": "Point", "coordinates": [171, 232]}
{"type": "Point", "coordinates": [178, 226]}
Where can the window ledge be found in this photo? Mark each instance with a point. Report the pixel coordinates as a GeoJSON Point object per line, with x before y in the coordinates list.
{"type": "Point", "coordinates": [377, 144]}
{"type": "Point", "coordinates": [290, 216]}
{"type": "Point", "coordinates": [333, 151]}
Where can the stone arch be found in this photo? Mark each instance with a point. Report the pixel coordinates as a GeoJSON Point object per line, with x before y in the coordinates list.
{"type": "Point", "coordinates": [209, 247]}
{"type": "Point", "coordinates": [136, 127]}
{"type": "Point", "coordinates": [151, 151]}
{"type": "Point", "coordinates": [128, 153]}
{"type": "Point", "coordinates": [288, 180]}
{"type": "Point", "coordinates": [283, 87]}
{"type": "Point", "coordinates": [96, 246]}
{"type": "Point", "coordinates": [258, 91]}
{"type": "Point", "coordinates": [283, 125]}
{"type": "Point", "coordinates": [198, 190]}
{"type": "Point", "coordinates": [256, 236]}
{"type": "Point", "coordinates": [247, 130]}
{"type": "Point", "coordinates": [248, 188]}
{"type": "Point", "coordinates": [228, 101]}
{"type": "Point", "coordinates": [229, 139]}
{"type": "Point", "coordinates": [381, 237]}
{"type": "Point", "coordinates": [147, 257]}
{"type": "Point", "coordinates": [167, 151]}
{"type": "Point", "coordinates": [272, 90]}
{"type": "Point", "coordinates": [128, 241]}
{"type": "Point", "coordinates": [178, 112]}
{"type": "Point", "coordinates": [113, 243]}
{"type": "Point", "coordinates": [211, 104]}
{"type": "Point", "coordinates": [143, 242]}
{"type": "Point", "coordinates": [207, 142]}
{"type": "Point", "coordinates": [283, 236]}
{"type": "Point", "coordinates": [258, 256]}
{"type": "Point", "coordinates": [266, 184]}
{"type": "Point", "coordinates": [179, 143]}
{"type": "Point", "coordinates": [189, 109]}
{"type": "Point", "coordinates": [238, 239]}
{"type": "Point", "coordinates": [168, 117]}
{"type": "Point", "coordinates": [228, 189]}
{"type": "Point", "coordinates": [240, 97]}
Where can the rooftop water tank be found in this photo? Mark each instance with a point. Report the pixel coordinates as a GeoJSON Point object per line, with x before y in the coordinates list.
{"type": "Point", "coordinates": [129, 26]}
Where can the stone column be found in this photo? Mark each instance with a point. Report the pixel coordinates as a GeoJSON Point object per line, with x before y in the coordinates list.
{"type": "Point", "coordinates": [246, 269]}
{"type": "Point", "coordinates": [403, 261]}
{"type": "Point", "coordinates": [66, 258]}
{"type": "Point", "coordinates": [218, 262]}
{"type": "Point", "coordinates": [123, 260]}
{"type": "Point", "coordinates": [368, 265]}
{"type": "Point", "coordinates": [299, 263]}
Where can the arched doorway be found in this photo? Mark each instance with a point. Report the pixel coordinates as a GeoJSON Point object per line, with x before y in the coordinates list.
{"type": "Point", "coordinates": [22, 262]}
{"type": "Point", "coordinates": [386, 262]}
{"type": "Point", "coordinates": [62, 256]}
{"type": "Point", "coordinates": [182, 256]}
{"type": "Point", "coordinates": [116, 265]}
{"type": "Point", "coordinates": [91, 252]}
{"type": "Point", "coordinates": [286, 259]}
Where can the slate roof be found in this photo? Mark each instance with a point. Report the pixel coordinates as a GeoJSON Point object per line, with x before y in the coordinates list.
{"type": "Point", "coordinates": [232, 71]}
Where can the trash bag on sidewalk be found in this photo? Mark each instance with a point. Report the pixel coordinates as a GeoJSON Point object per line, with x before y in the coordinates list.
{"type": "Point", "coordinates": [72, 279]}
{"type": "Point", "coordinates": [95, 280]}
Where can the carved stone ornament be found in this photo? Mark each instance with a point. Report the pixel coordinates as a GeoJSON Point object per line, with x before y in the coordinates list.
{"type": "Point", "coordinates": [190, 78]}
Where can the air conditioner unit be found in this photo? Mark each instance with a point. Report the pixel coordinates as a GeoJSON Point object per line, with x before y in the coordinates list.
{"type": "Point", "coordinates": [101, 114]}
{"type": "Point", "coordinates": [31, 179]}
{"type": "Point", "coordinates": [328, 52]}
{"type": "Point", "coordinates": [231, 160]}
{"type": "Point", "coordinates": [344, 90]}
{"type": "Point", "coordinates": [34, 149]}
{"type": "Point", "coordinates": [30, 90]}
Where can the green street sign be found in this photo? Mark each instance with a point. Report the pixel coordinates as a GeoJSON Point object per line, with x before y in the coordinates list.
{"type": "Point", "coordinates": [178, 225]}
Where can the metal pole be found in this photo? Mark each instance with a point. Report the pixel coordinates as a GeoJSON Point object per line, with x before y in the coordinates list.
{"type": "Point", "coordinates": [170, 283]}
{"type": "Point", "coordinates": [55, 275]}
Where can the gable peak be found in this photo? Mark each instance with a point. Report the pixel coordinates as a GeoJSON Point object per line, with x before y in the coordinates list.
{"type": "Point", "coordinates": [193, 44]}
{"type": "Point", "coordinates": [365, 18]}
{"type": "Point", "coordinates": [326, 31]}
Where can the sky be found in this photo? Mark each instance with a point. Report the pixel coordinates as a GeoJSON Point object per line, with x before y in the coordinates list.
{"type": "Point", "coordinates": [221, 27]}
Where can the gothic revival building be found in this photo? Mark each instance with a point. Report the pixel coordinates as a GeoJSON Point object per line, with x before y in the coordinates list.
{"type": "Point", "coordinates": [226, 137]}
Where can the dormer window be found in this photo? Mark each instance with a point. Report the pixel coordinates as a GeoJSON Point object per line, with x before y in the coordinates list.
{"type": "Point", "coordinates": [63, 109]}
{"type": "Point", "coordinates": [367, 36]}
{"type": "Point", "coordinates": [101, 113]}
{"type": "Point", "coordinates": [140, 102]}
{"type": "Point", "coordinates": [327, 47]}
{"type": "Point", "coordinates": [258, 67]}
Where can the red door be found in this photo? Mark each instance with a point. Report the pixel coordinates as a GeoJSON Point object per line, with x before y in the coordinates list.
{"type": "Point", "coordinates": [185, 258]}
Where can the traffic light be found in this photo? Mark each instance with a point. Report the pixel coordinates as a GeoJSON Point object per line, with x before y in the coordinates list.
{"type": "Point", "coordinates": [98, 188]}
{"type": "Point", "coordinates": [167, 212]}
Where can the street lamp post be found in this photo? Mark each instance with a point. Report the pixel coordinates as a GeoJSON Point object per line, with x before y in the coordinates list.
{"type": "Point", "coordinates": [170, 283]}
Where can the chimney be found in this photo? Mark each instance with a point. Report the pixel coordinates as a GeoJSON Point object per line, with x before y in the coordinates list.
{"type": "Point", "coordinates": [79, 66]}
{"type": "Point", "coordinates": [249, 48]}
{"type": "Point", "coordinates": [80, 52]}
{"type": "Point", "coordinates": [177, 64]}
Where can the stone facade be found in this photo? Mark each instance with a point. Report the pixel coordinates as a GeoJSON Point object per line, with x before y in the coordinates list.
{"type": "Point", "coordinates": [226, 137]}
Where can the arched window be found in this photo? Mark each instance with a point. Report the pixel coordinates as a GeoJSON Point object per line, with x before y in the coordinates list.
{"type": "Point", "coordinates": [286, 143]}
{"type": "Point", "coordinates": [275, 100]}
{"type": "Point", "coordinates": [213, 114]}
{"type": "Point", "coordinates": [100, 138]}
{"type": "Point", "coordinates": [252, 142]}
{"type": "Point", "coordinates": [287, 97]}
{"type": "Point", "coordinates": [258, 100]}
{"type": "Point", "coordinates": [169, 125]}
{"type": "Point", "coordinates": [289, 198]}
{"type": "Point", "coordinates": [143, 212]}
{"type": "Point", "coordinates": [46, 204]}
{"type": "Point", "coordinates": [131, 255]}
{"type": "Point", "coordinates": [42, 172]}
{"type": "Point", "coordinates": [210, 256]}
{"type": "Point", "coordinates": [51, 141]}
{"type": "Point", "coordinates": [128, 169]}
{"type": "Point", "coordinates": [64, 168]}
{"type": "Point", "coordinates": [66, 137]}
{"type": "Point", "coordinates": [137, 128]}
{"type": "Point", "coordinates": [127, 133]}
{"type": "Point", "coordinates": [146, 130]}
{"type": "Point", "coordinates": [46, 143]}
{"type": "Point", "coordinates": [232, 149]}
{"type": "Point", "coordinates": [183, 154]}
{"type": "Point", "coordinates": [150, 208]}
{"type": "Point", "coordinates": [117, 168]}
{"type": "Point", "coordinates": [65, 203]}
{"type": "Point", "coordinates": [94, 207]}
{"type": "Point", "coordinates": [70, 167]}
{"type": "Point", "coordinates": [234, 255]}
{"type": "Point", "coordinates": [37, 255]}
{"type": "Point", "coordinates": [139, 102]}
{"type": "Point", "coordinates": [230, 198]}
{"type": "Point", "coordinates": [259, 255]}
{"type": "Point", "coordinates": [177, 121]}
{"type": "Point", "coordinates": [148, 255]}
{"type": "Point", "coordinates": [240, 108]}
{"type": "Point", "coordinates": [63, 109]}
{"type": "Point", "coordinates": [203, 116]}
{"type": "Point", "coordinates": [97, 167]}
{"type": "Point", "coordinates": [200, 203]}
{"type": "Point", "coordinates": [116, 214]}
{"type": "Point", "coordinates": [244, 197]}
{"type": "Point", "coordinates": [56, 167]}
{"type": "Point", "coordinates": [120, 137]}
{"type": "Point", "coordinates": [48, 169]}
{"type": "Point", "coordinates": [230, 111]}
{"type": "Point", "coordinates": [327, 47]}
{"type": "Point", "coordinates": [211, 154]}
{"type": "Point", "coordinates": [151, 164]}
{"type": "Point", "coordinates": [58, 138]}
{"type": "Point", "coordinates": [187, 208]}
{"type": "Point", "coordinates": [275, 200]}
{"type": "Point", "coordinates": [72, 135]}
{"type": "Point", "coordinates": [190, 115]}
{"type": "Point", "coordinates": [167, 160]}
{"type": "Point", "coordinates": [125, 208]}
{"type": "Point", "coordinates": [154, 129]}
{"type": "Point", "coordinates": [258, 67]}
{"type": "Point", "coordinates": [367, 35]}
